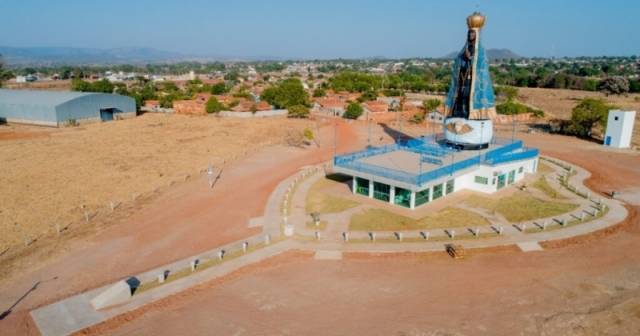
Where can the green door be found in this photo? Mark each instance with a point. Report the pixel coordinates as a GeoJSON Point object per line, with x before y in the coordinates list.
{"type": "Point", "coordinates": [502, 181]}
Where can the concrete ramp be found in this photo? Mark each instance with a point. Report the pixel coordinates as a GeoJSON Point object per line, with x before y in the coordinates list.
{"type": "Point", "coordinates": [119, 293]}
{"type": "Point", "coordinates": [530, 246]}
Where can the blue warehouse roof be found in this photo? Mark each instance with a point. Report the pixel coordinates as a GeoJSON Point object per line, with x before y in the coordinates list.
{"type": "Point", "coordinates": [39, 97]}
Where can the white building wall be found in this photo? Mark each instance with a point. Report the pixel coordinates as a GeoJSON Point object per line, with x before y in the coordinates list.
{"type": "Point", "coordinates": [619, 128]}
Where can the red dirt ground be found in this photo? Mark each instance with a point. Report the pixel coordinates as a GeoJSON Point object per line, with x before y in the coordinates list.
{"type": "Point", "coordinates": [586, 288]}
{"type": "Point", "coordinates": [186, 220]}
{"type": "Point", "coordinates": [582, 289]}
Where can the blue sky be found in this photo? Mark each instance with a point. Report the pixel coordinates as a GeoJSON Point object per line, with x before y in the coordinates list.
{"type": "Point", "coordinates": [324, 28]}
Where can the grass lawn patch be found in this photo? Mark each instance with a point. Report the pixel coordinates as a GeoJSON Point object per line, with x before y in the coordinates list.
{"type": "Point", "coordinates": [544, 168]}
{"type": "Point", "coordinates": [521, 206]}
{"type": "Point", "coordinates": [321, 202]}
{"type": "Point", "coordinates": [383, 220]}
{"type": "Point", "coordinates": [542, 185]}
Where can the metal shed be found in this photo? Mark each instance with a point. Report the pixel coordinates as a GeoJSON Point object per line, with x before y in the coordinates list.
{"type": "Point", "coordinates": [55, 108]}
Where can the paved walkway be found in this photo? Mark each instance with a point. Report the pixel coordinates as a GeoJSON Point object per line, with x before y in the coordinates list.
{"type": "Point", "coordinates": [75, 313]}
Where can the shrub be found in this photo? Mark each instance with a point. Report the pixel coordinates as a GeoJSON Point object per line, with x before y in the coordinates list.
{"type": "Point", "coordinates": [512, 107]}
{"type": "Point", "coordinates": [298, 111]}
{"type": "Point", "coordinates": [214, 106]}
{"type": "Point", "coordinates": [354, 111]}
{"type": "Point", "coordinates": [588, 113]}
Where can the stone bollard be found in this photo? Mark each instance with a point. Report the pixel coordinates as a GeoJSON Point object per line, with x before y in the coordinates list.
{"type": "Point", "coordinates": [500, 230]}
{"type": "Point", "coordinates": [544, 225]}
{"type": "Point", "coordinates": [523, 227]}
{"type": "Point", "coordinates": [563, 222]}
{"type": "Point", "coordinates": [267, 239]}
{"type": "Point", "coordinates": [372, 236]}
{"type": "Point", "coordinates": [399, 236]}
{"type": "Point", "coordinates": [86, 216]}
{"type": "Point", "coordinates": [161, 277]}
{"type": "Point", "coordinates": [245, 246]}
{"type": "Point", "coordinates": [221, 254]}
{"type": "Point", "coordinates": [289, 230]}
{"type": "Point", "coordinates": [345, 236]}
{"type": "Point", "coordinates": [477, 232]}
{"type": "Point", "coordinates": [112, 206]}
{"type": "Point", "coordinates": [193, 264]}
{"type": "Point", "coordinates": [57, 228]}
{"type": "Point", "coordinates": [582, 217]}
{"type": "Point", "coordinates": [452, 234]}
{"type": "Point", "coordinates": [317, 235]}
{"type": "Point", "coordinates": [596, 212]}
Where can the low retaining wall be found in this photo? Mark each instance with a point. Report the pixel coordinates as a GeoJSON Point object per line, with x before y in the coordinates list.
{"type": "Point", "coordinates": [258, 114]}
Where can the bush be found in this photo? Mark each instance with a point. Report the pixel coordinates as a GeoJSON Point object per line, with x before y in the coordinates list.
{"type": "Point", "coordinates": [298, 111]}
{"type": "Point", "coordinates": [214, 106]}
{"type": "Point", "coordinates": [319, 92]}
{"type": "Point", "coordinates": [219, 88]}
{"type": "Point", "coordinates": [308, 134]}
{"type": "Point", "coordinates": [512, 107]}
{"type": "Point", "coordinates": [614, 85]}
{"type": "Point", "coordinates": [288, 93]}
{"type": "Point", "coordinates": [354, 111]}
{"type": "Point", "coordinates": [587, 114]}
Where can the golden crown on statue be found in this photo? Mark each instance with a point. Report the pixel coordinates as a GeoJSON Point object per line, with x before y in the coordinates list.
{"type": "Point", "coordinates": [475, 20]}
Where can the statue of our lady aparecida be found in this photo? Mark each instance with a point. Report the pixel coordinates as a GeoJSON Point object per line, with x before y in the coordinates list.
{"type": "Point", "coordinates": [470, 103]}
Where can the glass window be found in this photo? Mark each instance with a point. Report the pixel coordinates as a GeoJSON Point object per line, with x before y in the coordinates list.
{"type": "Point", "coordinates": [512, 176]}
{"type": "Point", "coordinates": [362, 186]}
{"type": "Point", "coordinates": [437, 191]}
{"type": "Point", "coordinates": [450, 186]}
{"type": "Point", "coordinates": [520, 170]}
{"type": "Point", "coordinates": [422, 197]}
{"type": "Point", "coordinates": [402, 197]}
{"type": "Point", "coordinates": [481, 180]}
{"type": "Point", "coordinates": [381, 191]}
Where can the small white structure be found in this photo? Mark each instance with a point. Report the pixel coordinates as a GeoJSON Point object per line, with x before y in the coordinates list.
{"type": "Point", "coordinates": [619, 128]}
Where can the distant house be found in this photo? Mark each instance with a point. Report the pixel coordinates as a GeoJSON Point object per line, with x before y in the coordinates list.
{"type": "Point", "coordinates": [331, 106]}
{"type": "Point", "coordinates": [151, 104]}
{"type": "Point", "coordinates": [190, 107]}
{"type": "Point", "coordinates": [375, 106]}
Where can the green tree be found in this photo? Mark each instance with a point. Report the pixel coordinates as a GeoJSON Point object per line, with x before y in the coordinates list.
{"type": "Point", "coordinates": [219, 88]}
{"type": "Point", "coordinates": [298, 111]}
{"type": "Point", "coordinates": [80, 85]}
{"type": "Point", "coordinates": [4, 73]}
{"type": "Point", "coordinates": [102, 85]}
{"type": "Point", "coordinates": [319, 92]}
{"type": "Point", "coordinates": [587, 114]}
{"type": "Point", "coordinates": [614, 85]}
{"type": "Point", "coordinates": [214, 106]}
{"type": "Point", "coordinates": [289, 92]}
{"type": "Point", "coordinates": [431, 104]}
{"type": "Point", "coordinates": [354, 111]}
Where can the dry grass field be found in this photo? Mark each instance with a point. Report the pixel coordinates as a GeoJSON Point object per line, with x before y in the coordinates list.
{"type": "Point", "coordinates": [558, 103]}
{"type": "Point", "coordinates": [48, 175]}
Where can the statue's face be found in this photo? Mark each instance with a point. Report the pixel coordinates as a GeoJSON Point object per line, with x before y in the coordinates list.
{"type": "Point", "coordinates": [471, 36]}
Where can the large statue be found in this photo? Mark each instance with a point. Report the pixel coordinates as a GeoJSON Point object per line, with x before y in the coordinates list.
{"type": "Point", "coordinates": [470, 103]}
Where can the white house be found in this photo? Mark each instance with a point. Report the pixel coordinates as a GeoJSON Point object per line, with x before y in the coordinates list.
{"type": "Point", "coordinates": [619, 128]}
